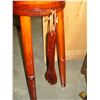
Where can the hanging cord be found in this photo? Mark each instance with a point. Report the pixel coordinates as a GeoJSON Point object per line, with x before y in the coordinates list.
{"type": "Point", "coordinates": [48, 26]}
{"type": "Point", "coordinates": [55, 19]}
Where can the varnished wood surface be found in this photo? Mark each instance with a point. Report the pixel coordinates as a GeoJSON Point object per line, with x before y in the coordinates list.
{"type": "Point", "coordinates": [36, 8]}
{"type": "Point", "coordinates": [61, 47]}
{"type": "Point", "coordinates": [25, 9]}
{"type": "Point", "coordinates": [28, 54]}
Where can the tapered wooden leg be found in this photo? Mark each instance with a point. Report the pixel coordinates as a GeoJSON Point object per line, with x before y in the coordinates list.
{"type": "Point", "coordinates": [26, 35]}
{"type": "Point", "coordinates": [61, 48]}
{"type": "Point", "coordinates": [84, 68]}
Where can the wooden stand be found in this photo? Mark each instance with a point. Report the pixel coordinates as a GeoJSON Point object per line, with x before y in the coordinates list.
{"type": "Point", "coordinates": [26, 9]}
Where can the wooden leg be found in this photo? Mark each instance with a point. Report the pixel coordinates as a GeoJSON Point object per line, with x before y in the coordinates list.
{"type": "Point", "coordinates": [28, 59]}
{"type": "Point", "coordinates": [61, 48]}
{"type": "Point", "coordinates": [84, 68]}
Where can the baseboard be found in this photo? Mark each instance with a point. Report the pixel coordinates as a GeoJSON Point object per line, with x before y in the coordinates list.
{"type": "Point", "coordinates": [72, 55]}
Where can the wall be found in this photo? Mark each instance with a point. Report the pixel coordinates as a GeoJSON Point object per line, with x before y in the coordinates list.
{"type": "Point", "coordinates": [75, 25]}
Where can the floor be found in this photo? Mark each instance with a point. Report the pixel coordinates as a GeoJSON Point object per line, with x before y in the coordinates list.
{"type": "Point", "coordinates": [75, 81]}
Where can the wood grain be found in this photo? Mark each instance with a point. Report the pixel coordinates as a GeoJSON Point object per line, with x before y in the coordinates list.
{"type": "Point", "coordinates": [36, 8]}
{"type": "Point", "coordinates": [61, 47]}
{"type": "Point", "coordinates": [25, 9]}
{"type": "Point", "coordinates": [28, 54]}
